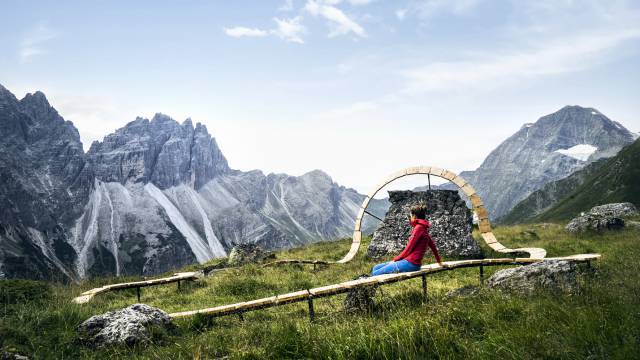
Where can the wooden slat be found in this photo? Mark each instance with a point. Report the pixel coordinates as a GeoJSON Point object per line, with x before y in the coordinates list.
{"type": "Point", "coordinates": [468, 189]}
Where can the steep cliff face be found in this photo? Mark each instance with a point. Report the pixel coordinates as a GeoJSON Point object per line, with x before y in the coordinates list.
{"type": "Point", "coordinates": [550, 149]}
{"type": "Point", "coordinates": [45, 183]}
{"type": "Point", "coordinates": [152, 196]}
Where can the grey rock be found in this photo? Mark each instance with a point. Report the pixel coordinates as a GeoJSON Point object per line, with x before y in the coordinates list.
{"type": "Point", "coordinates": [128, 326]}
{"type": "Point", "coordinates": [602, 218]}
{"type": "Point", "coordinates": [615, 209]}
{"type": "Point", "coordinates": [595, 223]}
{"type": "Point", "coordinates": [247, 253]}
{"type": "Point", "coordinates": [361, 300]}
{"type": "Point", "coordinates": [7, 355]}
{"type": "Point", "coordinates": [551, 275]}
{"type": "Point", "coordinates": [448, 214]}
{"type": "Point", "coordinates": [632, 224]}
{"type": "Point", "coordinates": [529, 159]}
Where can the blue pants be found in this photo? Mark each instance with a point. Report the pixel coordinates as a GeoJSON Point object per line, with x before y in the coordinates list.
{"type": "Point", "coordinates": [393, 267]}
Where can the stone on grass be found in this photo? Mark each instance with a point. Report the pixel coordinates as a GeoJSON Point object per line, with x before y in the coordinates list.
{"type": "Point", "coordinates": [128, 326]}
{"type": "Point", "coordinates": [602, 218]}
{"type": "Point", "coordinates": [556, 276]}
{"type": "Point", "coordinates": [7, 355]}
{"type": "Point", "coordinates": [360, 300]}
{"type": "Point", "coordinates": [247, 253]}
{"type": "Point", "coordinates": [615, 209]}
{"type": "Point", "coordinates": [594, 222]}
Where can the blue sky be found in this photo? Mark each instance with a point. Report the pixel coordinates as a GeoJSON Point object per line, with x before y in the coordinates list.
{"type": "Point", "coordinates": [357, 88]}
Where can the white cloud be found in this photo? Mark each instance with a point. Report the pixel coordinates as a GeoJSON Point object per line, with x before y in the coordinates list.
{"type": "Point", "coordinates": [287, 6]}
{"type": "Point", "coordinates": [240, 31]}
{"type": "Point", "coordinates": [339, 22]}
{"type": "Point", "coordinates": [571, 54]}
{"type": "Point", "coordinates": [290, 29]}
{"type": "Point", "coordinates": [33, 42]}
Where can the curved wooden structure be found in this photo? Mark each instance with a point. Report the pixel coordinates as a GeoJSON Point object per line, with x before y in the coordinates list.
{"type": "Point", "coordinates": [340, 288]}
{"type": "Point", "coordinates": [484, 224]}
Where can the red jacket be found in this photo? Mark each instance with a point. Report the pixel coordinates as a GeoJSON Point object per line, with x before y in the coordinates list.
{"type": "Point", "coordinates": [418, 242]}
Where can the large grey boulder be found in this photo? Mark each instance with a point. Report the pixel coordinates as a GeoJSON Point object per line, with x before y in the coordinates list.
{"type": "Point", "coordinates": [451, 224]}
{"type": "Point", "coordinates": [128, 326]}
{"type": "Point", "coordinates": [595, 223]}
{"type": "Point", "coordinates": [551, 275]}
{"type": "Point", "coordinates": [248, 253]}
{"type": "Point", "coordinates": [615, 210]}
{"type": "Point", "coordinates": [602, 218]}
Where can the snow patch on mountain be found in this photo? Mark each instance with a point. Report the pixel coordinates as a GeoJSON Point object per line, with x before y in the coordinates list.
{"type": "Point", "coordinates": [580, 151]}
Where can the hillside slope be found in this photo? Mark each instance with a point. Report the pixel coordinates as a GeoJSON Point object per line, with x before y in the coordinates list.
{"type": "Point", "coordinates": [618, 180]}
{"type": "Point", "coordinates": [550, 194]}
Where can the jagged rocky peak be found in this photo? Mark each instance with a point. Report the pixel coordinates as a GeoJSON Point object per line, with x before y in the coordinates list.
{"type": "Point", "coordinates": [160, 151]}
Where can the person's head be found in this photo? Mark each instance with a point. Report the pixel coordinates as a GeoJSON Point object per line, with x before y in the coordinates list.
{"type": "Point", "coordinates": [418, 212]}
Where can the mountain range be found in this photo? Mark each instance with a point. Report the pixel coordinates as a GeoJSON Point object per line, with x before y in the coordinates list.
{"type": "Point", "coordinates": [157, 194]}
{"type": "Point", "coordinates": [152, 196]}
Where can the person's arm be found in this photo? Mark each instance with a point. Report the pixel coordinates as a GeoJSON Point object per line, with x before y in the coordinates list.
{"type": "Point", "coordinates": [434, 250]}
{"type": "Point", "coordinates": [413, 240]}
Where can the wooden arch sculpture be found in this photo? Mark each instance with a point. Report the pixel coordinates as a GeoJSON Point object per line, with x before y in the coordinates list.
{"type": "Point", "coordinates": [477, 206]}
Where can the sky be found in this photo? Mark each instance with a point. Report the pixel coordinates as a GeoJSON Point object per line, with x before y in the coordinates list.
{"type": "Point", "coordinates": [356, 88]}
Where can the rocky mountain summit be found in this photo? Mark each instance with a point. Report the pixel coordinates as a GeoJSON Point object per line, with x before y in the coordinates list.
{"type": "Point", "coordinates": [451, 224]}
{"type": "Point", "coordinates": [152, 196]}
{"type": "Point", "coordinates": [550, 149]}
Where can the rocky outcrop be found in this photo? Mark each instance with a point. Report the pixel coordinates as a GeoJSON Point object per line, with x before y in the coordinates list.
{"type": "Point", "coordinates": [557, 276]}
{"type": "Point", "coordinates": [615, 209]}
{"type": "Point", "coordinates": [550, 149]}
{"type": "Point", "coordinates": [602, 218]}
{"type": "Point", "coordinates": [451, 224]}
{"type": "Point", "coordinates": [247, 254]}
{"type": "Point", "coordinates": [159, 151]}
{"type": "Point", "coordinates": [594, 223]}
{"type": "Point", "coordinates": [129, 326]}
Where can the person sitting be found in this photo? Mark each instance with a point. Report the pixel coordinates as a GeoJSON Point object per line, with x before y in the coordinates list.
{"type": "Point", "coordinates": [410, 259]}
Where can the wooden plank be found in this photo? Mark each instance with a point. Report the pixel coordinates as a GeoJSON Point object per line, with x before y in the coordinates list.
{"type": "Point", "coordinates": [460, 182]}
{"type": "Point", "coordinates": [489, 238]}
{"type": "Point", "coordinates": [297, 295]}
{"type": "Point", "coordinates": [417, 170]}
{"type": "Point", "coordinates": [436, 171]}
{"type": "Point", "coordinates": [476, 201]}
{"type": "Point", "coordinates": [468, 190]}
{"type": "Point", "coordinates": [484, 226]}
{"type": "Point", "coordinates": [481, 212]}
{"type": "Point", "coordinates": [449, 175]}
{"type": "Point", "coordinates": [357, 237]}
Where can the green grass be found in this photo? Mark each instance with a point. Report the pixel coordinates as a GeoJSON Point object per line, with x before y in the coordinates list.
{"type": "Point", "coordinates": [601, 322]}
